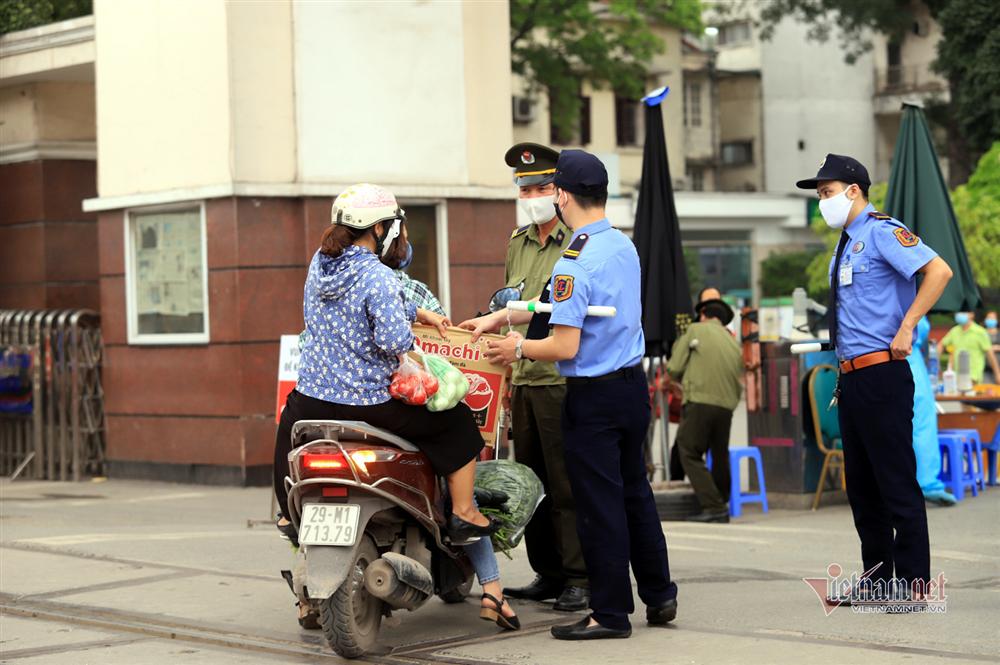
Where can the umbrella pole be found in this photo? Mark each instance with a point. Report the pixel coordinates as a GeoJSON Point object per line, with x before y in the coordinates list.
{"type": "Point", "coordinates": [660, 408]}
{"type": "Point", "coordinates": [664, 428]}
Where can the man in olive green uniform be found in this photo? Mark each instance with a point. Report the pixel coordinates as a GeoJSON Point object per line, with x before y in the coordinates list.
{"type": "Point", "coordinates": [708, 359]}
{"type": "Point", "coordinates": [536, 400]}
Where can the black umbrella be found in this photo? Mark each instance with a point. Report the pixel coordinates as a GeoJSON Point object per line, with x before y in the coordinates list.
{"type": "Point", "coordinates": [666, 300]}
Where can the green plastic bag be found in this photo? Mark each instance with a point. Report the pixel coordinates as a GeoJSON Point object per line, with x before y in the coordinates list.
{"type": "Point", "coordinates": [451, 381]}
{"type": "Point", "coordinates": [525, 492]}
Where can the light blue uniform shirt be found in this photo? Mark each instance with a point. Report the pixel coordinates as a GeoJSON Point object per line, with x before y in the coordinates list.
{"type": "Point", "coordinates": [604, 272]}
{"type": "Point", "coordinates": [880, 260]}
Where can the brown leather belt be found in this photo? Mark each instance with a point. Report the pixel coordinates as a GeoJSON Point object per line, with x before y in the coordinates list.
{"type": "Point", "coordinates": [867, 360]}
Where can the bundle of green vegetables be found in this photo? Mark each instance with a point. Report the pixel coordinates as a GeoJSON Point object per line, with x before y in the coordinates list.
{"type": "Point", "coordinates": [524, 491]}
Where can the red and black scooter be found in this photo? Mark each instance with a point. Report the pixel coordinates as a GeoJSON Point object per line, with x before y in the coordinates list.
{"type": "Point", "coordinates": [370, 515]}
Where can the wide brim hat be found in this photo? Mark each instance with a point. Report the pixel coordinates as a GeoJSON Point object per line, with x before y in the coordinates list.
{"type": "Point", "coordinates": [728, 311]}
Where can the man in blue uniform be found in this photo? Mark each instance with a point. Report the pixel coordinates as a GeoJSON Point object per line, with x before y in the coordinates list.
{"type": "Point", "coordinates": [875, 305]}
{"type": "Point", "coordinates": [606, 411]}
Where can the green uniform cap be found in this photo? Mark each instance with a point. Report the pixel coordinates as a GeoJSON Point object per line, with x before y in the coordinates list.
{"type": "Point", "coordinates": [533, 163]}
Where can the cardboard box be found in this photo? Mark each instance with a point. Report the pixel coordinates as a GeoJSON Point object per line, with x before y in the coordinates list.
{"type": "Point", "coordinates": [487, 383]}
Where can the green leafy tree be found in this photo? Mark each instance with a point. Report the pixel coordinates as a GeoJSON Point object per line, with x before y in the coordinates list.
{"type": "Point", "coordinates": [23, 14]}
{"type": "Point", "coordinates": [977, 207]}
{"type": "Point", "coordinates": [556, 44]}
{"type": "Point", "coordinates": [781, 272]}
{"type": "Point", "coordinates": [968, 57]}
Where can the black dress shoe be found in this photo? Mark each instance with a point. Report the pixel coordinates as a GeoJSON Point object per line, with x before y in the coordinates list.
{"type": "Point", "coordinates": [573, 599]}
{"type": "Point", "coordinates": [713, 516]}
{"type": "Point", "coordinates": [461, 531]}
{"type": "Point", "coordinates": [542, 588]}
{"type": "Point", "coordinates": [580, 631]}
{"type": "Point", "coordinates": [662, 615]}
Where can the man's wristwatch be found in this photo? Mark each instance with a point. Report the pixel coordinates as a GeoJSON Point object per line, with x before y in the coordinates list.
{"type": "Point", "coordinates": [518, 351]}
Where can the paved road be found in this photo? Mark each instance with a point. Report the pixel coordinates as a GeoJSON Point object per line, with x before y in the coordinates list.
{"type": "Point", "coordinates": [127, 572]}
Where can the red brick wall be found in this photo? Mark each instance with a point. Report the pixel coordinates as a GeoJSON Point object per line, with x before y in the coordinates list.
{"type": "Point", "coordinates": [48, 256]}
{"type": "Point", "coordinates": [478, 232]}
{"type": "Point", "coordinates": [207, 404]}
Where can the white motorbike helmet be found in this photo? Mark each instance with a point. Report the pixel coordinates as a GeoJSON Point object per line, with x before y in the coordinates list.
{"type": "Point", "coordinates": [364, 205]}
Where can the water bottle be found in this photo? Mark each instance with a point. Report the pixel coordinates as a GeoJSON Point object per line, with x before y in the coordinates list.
{"type": "Point", "coordinates": [950, 380]}
{"type": "Point", "coordinates": [932, 366]}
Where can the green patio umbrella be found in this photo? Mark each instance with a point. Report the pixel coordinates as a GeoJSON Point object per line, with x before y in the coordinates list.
{"type": "Point", "coordinates": [918, 197]}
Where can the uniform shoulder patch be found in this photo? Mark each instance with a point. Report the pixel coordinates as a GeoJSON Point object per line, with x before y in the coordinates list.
{"type": "Point", "coordinates": [575, 247]}
{"type": "Point", "coordinates": [562, 288]}
{"type": "Point", "coordinates": [518, 231]}
{"type": "Point", "coordinates": [879, 215]}
{"type": "Point", "coordinates": [905, 238]}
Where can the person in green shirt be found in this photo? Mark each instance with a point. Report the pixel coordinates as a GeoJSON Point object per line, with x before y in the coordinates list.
{"type": "Point", "coordinates": [708, 361]}
{"type": "Point", "coordinates": [538, 391]}
{"type": "Point", "coordinates": [969, 336]}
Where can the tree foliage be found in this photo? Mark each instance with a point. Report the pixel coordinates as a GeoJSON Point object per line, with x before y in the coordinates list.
{"type": "Point", "coordinates": [23, 14]}
{"type": "Point", "coordinates": [977, 207]}
{"type": "Point", "coordinates": [781, 272]}
{"type": "Point", "coordinates": [968, 57]}
{"type": "Point", "coordinates": [557, 44]}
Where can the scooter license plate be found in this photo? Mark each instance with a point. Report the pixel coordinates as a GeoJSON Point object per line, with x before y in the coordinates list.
{"type": "Point", "coordinates": [329, 524]}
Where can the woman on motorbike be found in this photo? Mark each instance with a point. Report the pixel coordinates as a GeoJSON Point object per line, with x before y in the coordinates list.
{"type": "Point", "coordinates": [358, 325]}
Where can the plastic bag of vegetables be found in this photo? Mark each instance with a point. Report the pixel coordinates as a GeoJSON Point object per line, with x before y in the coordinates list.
{"type": "Point", "coordinates": [452, 382]}
{"type": "Point", "coordinates": [525, 492]}
{"type": "Point", "coordinates": [411, 384]}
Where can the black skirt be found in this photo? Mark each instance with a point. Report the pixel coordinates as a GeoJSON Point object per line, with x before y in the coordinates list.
{"type": "Point", "coordinates": [450, 439]}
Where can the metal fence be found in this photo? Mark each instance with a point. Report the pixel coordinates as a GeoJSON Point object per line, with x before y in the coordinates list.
{"type": "Point", "coordinates": [51, 400]}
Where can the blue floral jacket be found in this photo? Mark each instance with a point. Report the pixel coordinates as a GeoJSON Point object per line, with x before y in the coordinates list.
{"type": "Point", "coordinates": [358, 323]}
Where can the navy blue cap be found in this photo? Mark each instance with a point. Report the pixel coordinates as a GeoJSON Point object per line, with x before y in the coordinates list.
{"type": "Point", "coordinates": [580, 172]}
{"type": "Point", "coordinates": [838, 167]}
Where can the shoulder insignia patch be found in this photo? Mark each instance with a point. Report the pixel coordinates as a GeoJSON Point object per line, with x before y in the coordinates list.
{"type": "Point", "coordinates": [560, 237]}
{"type": "Point", "coordinates": [575, 248]}
{"type": "Point", "coordinates": [905, 238]}
{"type": "Point", "coordinates": [518, 231]}
{"type": "Point", "coordinates": [562, 288]}
{"type": "Point", "coordinates": [879, 215]}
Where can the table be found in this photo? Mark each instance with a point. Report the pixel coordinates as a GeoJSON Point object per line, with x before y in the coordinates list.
{"type": "Point", "coordinates": [985, 422]}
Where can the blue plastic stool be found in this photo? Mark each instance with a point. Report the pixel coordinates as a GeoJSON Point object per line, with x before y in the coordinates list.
{"type": "Point", "coordinates": [976, 465]}
{"type": "Point", "coordinates": [736, 498]}
{"type": "Point", "coordinates": [954, 448]}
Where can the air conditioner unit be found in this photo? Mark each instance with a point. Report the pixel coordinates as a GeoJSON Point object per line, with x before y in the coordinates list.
{"type": "Point", "coordinates": [524, 110]}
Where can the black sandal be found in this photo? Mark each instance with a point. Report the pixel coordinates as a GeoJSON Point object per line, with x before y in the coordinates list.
{"type": "Point", "coordinates": [496, 616]}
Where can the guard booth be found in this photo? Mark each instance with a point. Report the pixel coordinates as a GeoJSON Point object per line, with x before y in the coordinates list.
{"type": "Point", "coordinates": [779, 418]}
{"type": "Point", "coordinates": [51, 400]}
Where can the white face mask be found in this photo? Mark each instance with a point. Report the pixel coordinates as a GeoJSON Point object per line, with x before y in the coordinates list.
{"type": "Point", "coordinates": [836, 209]}
{"type": "Point", "coordinates": [538, 209]}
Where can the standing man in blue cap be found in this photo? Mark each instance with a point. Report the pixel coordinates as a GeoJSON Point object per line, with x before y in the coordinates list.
{"type": "Point", "coordinates": [874, 307]}
{"type": "Point", "coordinates": [606, 411]}
{"type": "Point", "coordinates": [538, 389]}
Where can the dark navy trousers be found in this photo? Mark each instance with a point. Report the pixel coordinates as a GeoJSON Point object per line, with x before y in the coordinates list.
{"type": "Point", "coordinates": [876, 425]}
{"type": "Point", "coordinates": [604, 432]}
